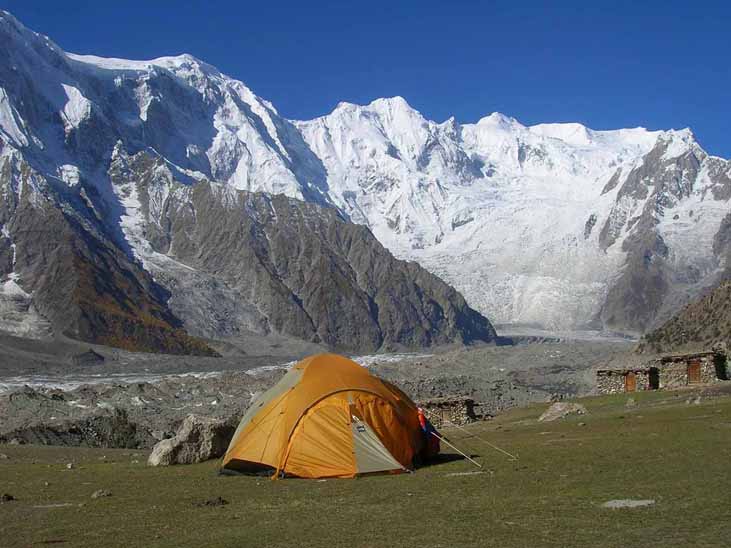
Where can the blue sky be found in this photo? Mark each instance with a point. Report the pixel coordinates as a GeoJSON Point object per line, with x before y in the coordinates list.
{"type": "Point", "coordinates": [605, 64]}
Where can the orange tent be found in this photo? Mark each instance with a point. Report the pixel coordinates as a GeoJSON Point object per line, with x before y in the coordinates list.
{"type": "Point", "coordinates": [327, 417]}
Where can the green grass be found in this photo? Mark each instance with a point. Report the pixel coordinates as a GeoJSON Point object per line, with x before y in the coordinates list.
{"type": "Point", "coordinates": [662, 449]}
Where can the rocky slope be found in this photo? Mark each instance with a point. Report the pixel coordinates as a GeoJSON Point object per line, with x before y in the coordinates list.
{"type": "Point", "coordinates": [61, 264]}
{"type": "Point", "coordinates": [700, 325]}
{"type": "Point", "coordinates": [282, 265]}
{"type": "Point", "coordinates": [123, 415]}
{"type": "Point", "coordinates": [554, 225]}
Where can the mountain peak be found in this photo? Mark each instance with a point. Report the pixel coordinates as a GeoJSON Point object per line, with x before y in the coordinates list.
{"type": "Point", "coordinates": [7, 18]}
{"type": "Point", "coordinates": [395, 102]}
{"type": "Point", "coordinates": [497, 119]}
{"type": "Point", "coordinates": [686, 134]}
{"type": "Point", "coordinates": [572, 133]}
{"type": "Point", "coordinates": [677, 142]}
{"type": "Point", "coordinates": [390, 107]}
{"type": "Point", "coordinates": [397, 110]}
{"type": "Point", "coordinates": [17, 33]}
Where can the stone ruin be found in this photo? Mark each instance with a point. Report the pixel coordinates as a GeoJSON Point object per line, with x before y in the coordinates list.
{"type": "Point", "coordinates": [449, 410]}
{"type": "Point", "coordinates": [666, 372]}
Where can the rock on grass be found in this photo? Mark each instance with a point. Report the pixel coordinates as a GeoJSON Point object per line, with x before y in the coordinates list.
{"type": "Point", "coordinates": [197, 440]}
{"type": "Point", "coordinates": [628, 503]}
{"type": "Point", "coordinates": [561, 409]}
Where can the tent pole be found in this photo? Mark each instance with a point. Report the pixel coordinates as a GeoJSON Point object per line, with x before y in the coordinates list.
{"type": "Point", "coordinates": [458, 451]}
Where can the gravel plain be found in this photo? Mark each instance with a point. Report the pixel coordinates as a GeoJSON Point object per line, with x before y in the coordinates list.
{"type": "Point", "coordinates": [58, 393]}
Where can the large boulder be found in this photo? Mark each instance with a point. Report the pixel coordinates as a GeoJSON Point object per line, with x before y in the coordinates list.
{"type": "Point", "coordinates": [198, 439]}
{"type": "Point", "coordinates": [560, 409]}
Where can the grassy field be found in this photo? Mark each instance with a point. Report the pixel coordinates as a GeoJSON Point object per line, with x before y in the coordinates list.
{"type": "Point", "coordinates": [663, 448]}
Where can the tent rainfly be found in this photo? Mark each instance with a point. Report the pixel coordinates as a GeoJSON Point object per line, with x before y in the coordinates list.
{"type": "Point", "coordinates": [327, 417]}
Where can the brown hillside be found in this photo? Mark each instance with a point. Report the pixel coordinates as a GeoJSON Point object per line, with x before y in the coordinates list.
{"type": "Point", "coordinates": [703, 323]}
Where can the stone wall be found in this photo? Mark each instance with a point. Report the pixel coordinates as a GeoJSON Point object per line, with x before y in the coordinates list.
{"type": "Point", "coordinates": [443, 411]}
{"type": "Point", "coordinates": [673, 375]}
{"type": "Point", "coordinates": [612, 381]}
{"type": "Point", "coordinates": [674, 369]}
{"type": "Point", "coordinates": [672, 372]}
{"type": "Point", "coordinates": [609, 382]}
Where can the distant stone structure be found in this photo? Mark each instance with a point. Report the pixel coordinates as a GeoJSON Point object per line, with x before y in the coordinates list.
{"type": "Point", "coordinates": [87, 358]}
{"type": "Point", "coordinates": [671, 371]}
{"type": "Point", "coordinates": [614, 381]}
{"type": "Point", "coordinates": [450, 410]}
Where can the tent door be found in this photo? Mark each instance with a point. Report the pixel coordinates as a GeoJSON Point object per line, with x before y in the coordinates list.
{"type": "Point", "coordinates": [370, 454]}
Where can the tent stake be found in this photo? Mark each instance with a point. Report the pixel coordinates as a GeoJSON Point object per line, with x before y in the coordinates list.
{"type": "Point", "coordinates": [458, 451]}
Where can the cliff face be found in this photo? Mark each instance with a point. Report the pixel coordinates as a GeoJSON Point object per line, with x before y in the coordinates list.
{"type": "Point", "coordinates": [61, 260]}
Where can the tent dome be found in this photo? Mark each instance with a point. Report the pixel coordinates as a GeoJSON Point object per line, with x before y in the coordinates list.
{"type": "Point", "coordinates": [327, 417]}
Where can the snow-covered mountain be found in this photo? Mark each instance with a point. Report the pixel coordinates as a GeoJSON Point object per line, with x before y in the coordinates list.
{"type": "Point", "coordinates": [554, 225]}
{"type": "Point", "coordinates": [535, 225]}
{"type": "Point", "coordinates": [127, 217]}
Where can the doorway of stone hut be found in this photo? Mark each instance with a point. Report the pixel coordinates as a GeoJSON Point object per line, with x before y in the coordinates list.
{"type": "Point", "coordinates": [694, 371]}
{"type": "Point", "coordinates": [630, 382]}
{"type": "Point", "coordinates": [654, 378]}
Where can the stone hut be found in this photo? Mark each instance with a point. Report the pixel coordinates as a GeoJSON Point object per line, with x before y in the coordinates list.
{"type": "Point", "coordinates": [615, 381]}
{"type": "Point", "coordinates": [449, 410]}
{"type": "Point", "coordinates": [671, 371]}
{"type": "Point", "coordinates": [684, 369]}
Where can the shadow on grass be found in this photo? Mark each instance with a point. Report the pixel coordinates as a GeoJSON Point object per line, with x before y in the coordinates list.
{"type": "Point", "coordinates": [442, 458]}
